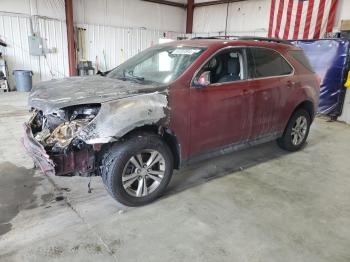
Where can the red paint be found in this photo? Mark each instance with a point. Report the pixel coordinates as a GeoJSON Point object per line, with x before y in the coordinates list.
{"type": "Point", "coordinates": [81, 161]}
{"type": "Point", "coordinates": [272, 17]}
{"type": "Point", "coordinates": [266, 105]}
{"type": "Point", "coordinates": [219, 115]}
{"type": "Point", "coordinates": [308, 19]}
{"type": "Point", "coordinates": [331, 17]}
{"type": "Point", "coordinates": [320, 13]}
{"type": "Point", "coordinates": [289, 15]}
{"type": "Point", "coordinates": [207, 118]}
{"type": "Point", "coordinates": [298, 20]}
{"type": "Point", "coordinates": [279, 18]}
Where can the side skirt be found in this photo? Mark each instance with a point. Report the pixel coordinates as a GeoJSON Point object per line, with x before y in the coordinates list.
{"type": "Point", "coordinates": [230, 148]}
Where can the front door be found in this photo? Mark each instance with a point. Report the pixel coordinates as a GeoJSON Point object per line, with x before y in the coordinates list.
{"type": "Point", "coordinates": [221, 112]}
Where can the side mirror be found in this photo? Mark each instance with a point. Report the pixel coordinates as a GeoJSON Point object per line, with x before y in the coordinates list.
{"type": "Point", "coordinates": [203, 80]}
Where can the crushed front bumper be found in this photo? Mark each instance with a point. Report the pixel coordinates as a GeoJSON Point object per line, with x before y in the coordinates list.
{"type": "Point", "coordinates": [36, 151]}
{"type": "Point", "coordinates": [82, 161]}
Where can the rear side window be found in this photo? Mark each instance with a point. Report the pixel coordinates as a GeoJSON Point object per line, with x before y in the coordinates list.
{"type": "Point", "coordinates": [267, 62]}
{"type": "Point", "coordinates": [301, 58]}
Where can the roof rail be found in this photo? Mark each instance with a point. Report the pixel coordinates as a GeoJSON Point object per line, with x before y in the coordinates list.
{"type": "Point", "coordinates": [216, 37]}
{"type": "Point", "coordinates": [255, 38]}
{"type": "Point", "coordinates": [252, 38]}
{"type": "Point", "coordinates": [205, 37]}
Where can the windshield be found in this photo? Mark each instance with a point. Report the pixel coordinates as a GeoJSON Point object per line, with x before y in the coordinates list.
{"type": "Point", "coordinates": [159, 65]}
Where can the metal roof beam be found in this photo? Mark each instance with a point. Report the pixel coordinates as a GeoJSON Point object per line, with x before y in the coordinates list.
{"type": "Point", "coordinates": [165, 2]}
{"type": "Point", "coordinates": [217, 2]}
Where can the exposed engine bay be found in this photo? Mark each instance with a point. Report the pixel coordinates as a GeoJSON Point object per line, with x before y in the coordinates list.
{"type": "Point", "coordinates": [74, 118]}
{"type": "Point", "coordinates": [58, 133]}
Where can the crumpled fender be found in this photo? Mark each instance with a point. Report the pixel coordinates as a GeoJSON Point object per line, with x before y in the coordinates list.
{"type": "Point", "coordinates": [118, 117]}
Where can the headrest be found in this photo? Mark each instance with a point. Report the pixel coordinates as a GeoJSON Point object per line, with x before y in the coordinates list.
{"type": "Point", "coordinates": [233, 66]}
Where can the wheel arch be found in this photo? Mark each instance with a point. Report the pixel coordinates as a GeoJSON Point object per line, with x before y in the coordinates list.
{"type": "Point", "coordinates": [308, 106]}
{"type": "Point", "coordinates": [167, 135]}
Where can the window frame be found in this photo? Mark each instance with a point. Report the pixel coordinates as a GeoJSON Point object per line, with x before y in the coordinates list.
{"type": "Point", "coordinates": [280, 54]}
{"type": "Point", "coordinates": [249, 78]}
{"type": "Point", "coordinates": [245, 67]}
{"type": "Point", "coordinates": [204, 49]}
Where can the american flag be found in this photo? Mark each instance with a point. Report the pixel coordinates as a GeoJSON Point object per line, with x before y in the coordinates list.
{"type": "Point", "coordinates": [301, 19]}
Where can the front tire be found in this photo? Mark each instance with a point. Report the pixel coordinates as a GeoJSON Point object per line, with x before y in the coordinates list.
{"type": "Point", "coordinates": [137, 171]}
{"type": "Point", "coordinates": [296, 132]}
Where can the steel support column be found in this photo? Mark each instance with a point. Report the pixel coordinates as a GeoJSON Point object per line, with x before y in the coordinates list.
{"type": "Point", "coordinates": [70, 38]}
{"type": "Point", "coordinates": [189, 20]}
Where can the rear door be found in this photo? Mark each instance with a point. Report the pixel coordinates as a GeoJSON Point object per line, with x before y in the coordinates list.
{"type": "Point", "coordinates": [271, 77]}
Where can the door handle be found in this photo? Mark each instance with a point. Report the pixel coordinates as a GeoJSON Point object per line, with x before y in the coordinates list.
{"type": "Point", "coordinates": [291, 83]}
{"type": "Point", "coordinates": [248, 91]}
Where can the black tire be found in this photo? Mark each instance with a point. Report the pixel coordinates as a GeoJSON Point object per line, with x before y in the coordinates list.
{"type": "Point", "coordinates": [116, 158]}
{"type": "Point", "coordinates": [285, 142]}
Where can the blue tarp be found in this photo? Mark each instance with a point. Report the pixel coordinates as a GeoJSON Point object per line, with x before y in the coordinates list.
{"type": "Point", "coordinates": [330, 60]}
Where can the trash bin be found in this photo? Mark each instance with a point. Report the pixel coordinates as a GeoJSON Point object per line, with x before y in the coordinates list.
{"type": "Point", "coordinates": [23, 80]}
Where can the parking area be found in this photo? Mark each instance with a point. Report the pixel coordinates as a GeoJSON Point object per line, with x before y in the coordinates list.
{"type": "Point", "coordinates": [260, 204]}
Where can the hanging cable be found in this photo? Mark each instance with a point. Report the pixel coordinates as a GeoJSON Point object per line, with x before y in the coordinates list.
{"type": "Point", "coordinates": [228, 2]}
{"type": "Point", "coordinates": [49, 67]}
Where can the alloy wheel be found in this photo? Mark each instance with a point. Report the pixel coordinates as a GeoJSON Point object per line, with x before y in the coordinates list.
{"type": "Point", "coordinates": [143, 173]}
{"type": "Point", "coordinates": [299, 130]}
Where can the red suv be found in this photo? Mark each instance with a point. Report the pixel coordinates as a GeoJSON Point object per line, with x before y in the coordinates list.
{"type": "Point", "coordinates": [169, 106]}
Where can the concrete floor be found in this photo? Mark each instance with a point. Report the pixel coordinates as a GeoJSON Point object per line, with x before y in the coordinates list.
{"type": "Point", "coordinates": [261, 204]}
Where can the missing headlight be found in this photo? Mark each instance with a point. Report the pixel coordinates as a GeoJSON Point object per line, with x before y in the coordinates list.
{"type": "Point", "coordinates": [57, 130]}
{"type": "Point", "coordinates": [64, 133]}
{"type": "Point", "coordinates": [83, 112]}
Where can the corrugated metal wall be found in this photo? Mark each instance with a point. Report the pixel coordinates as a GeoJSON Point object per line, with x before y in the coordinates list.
{"type": "Point", "coordinates": [108, 46]}
{"type": "Point", "coordinates": [244, 18]}
{"type": "Point", "coordinates": [260, 33]}
{"type": "Point", "coordinates": [15, 29]}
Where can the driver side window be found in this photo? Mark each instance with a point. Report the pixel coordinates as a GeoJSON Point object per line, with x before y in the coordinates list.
{"type": "Point", "coordinates": [226, 66]}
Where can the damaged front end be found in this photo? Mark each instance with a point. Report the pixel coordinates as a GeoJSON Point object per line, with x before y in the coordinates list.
{"type": "Point", "coordinates": [53, 140]}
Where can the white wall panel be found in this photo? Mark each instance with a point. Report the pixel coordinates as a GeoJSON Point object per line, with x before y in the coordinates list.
{"type": "Point", "coordinates": [49, 8]}
{"type": "Point", "coordinates": [54, 33]}
{"type": "Point", "coordinates": [209, 18]}
{"type": "Point", "coordinates": [130, 13]}
{"type": "Point", "coordinates": [108, 46]}
{"type": "Point", "coordinates": [244, 18]}
{"type": "Point", "coordinates": [345, 116]}
{"type": "Point", "coordinates": [14, 30]}
{"type": "Point", "coordinates": [115, 31]}
{"type": "Point", "coordinates": [343, 13]}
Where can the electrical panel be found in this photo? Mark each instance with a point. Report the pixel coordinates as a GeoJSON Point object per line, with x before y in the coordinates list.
{"type": "Point", "coordinates": [36, 47]}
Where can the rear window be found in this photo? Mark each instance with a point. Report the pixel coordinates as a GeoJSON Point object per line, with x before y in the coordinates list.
{"type": "Point", "coordinates": [269, 63]}
{"type": "Point", "coordinates": [301, 58]}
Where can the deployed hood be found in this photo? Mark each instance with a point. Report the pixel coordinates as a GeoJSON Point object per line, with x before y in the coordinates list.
{"type": "Point", "coordinates": [52, 95]}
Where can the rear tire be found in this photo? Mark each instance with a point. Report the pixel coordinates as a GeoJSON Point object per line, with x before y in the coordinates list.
{"type": "Point", "coordinates": [137, 171]}
{"type": "Point", "coordinates": [296, 132]}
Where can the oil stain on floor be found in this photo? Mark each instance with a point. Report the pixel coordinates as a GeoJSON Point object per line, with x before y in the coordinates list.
{"type": "Point", "coordinates": [17, 185]}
